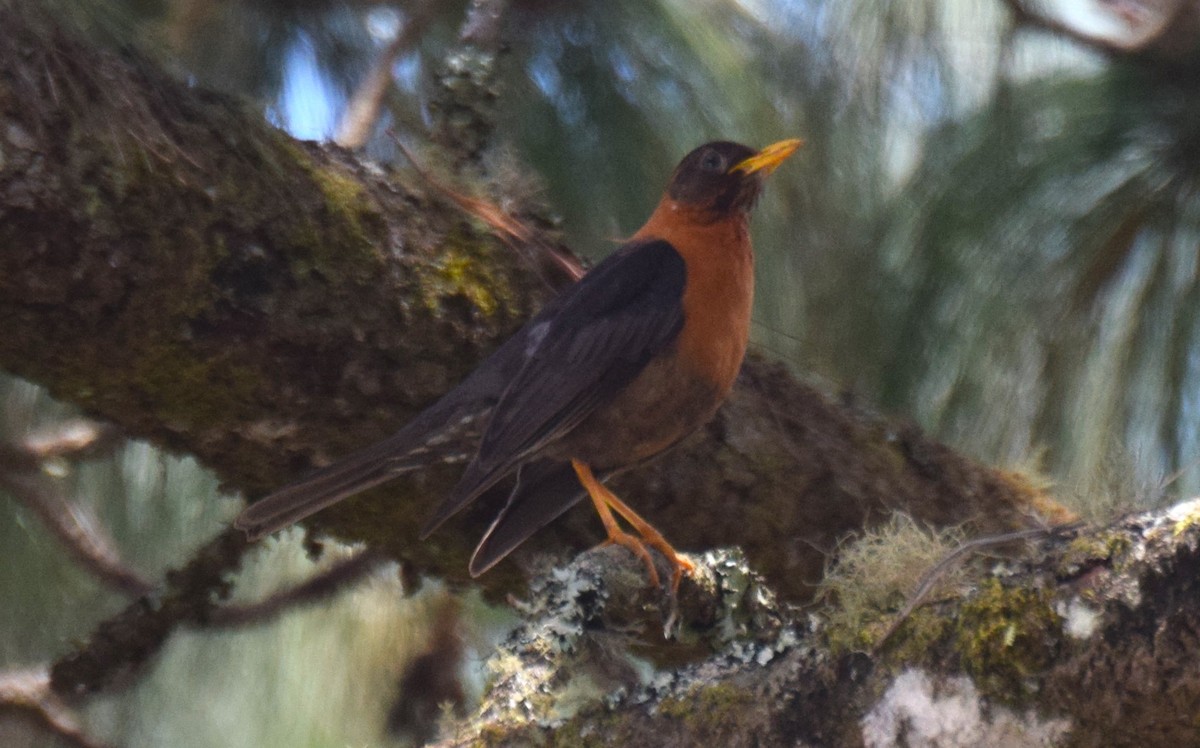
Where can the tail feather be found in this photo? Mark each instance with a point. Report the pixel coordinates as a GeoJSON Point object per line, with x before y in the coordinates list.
{"type": "Point", "coordinates": [417, 445]}
{"type": "Point", "coordinates": [545, 490]}
{"type": "Point", "coordinates": [447, 430]}
{"type": "Point", "coordinates": [299, 500]}
{"type": "Point", "coordinates": [475, 482]}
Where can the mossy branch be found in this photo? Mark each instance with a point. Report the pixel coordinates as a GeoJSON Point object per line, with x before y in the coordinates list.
{"type": "Point", "coordinates": [1086, 637]}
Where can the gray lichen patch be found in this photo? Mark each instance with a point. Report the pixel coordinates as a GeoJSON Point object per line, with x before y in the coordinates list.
{"type": "Point", "coordinates": [1080, 620]}
{"type": "Point", "coordinates": [920, 708]}
{"type": "Point", "coordinates": [593, 629]}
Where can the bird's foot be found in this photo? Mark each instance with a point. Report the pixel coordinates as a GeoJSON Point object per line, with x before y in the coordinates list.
{"type": "Point", "coordinates": [639, 549]}
{"type": "Point", "coordinates": [679, 564]}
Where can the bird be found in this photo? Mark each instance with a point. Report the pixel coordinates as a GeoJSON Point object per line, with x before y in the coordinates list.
{"type": "Point", "coordinates": [617, 369]}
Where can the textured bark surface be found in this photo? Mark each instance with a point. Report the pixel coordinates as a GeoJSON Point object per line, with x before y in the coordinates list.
{"type": "Point", "coordinates": [1086, 639]}
{"type": "Point", "coordinates": [171, 263]}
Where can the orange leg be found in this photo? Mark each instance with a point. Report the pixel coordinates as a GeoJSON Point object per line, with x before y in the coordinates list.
{"type": "Point", "coordinates": [606, 501]}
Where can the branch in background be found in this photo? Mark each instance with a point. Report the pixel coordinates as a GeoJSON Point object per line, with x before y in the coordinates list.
{"type": "Point", "coordinates": [72, 439]}
{"type": "Point", "coordinates": [464, 109]}
{"type": "Point", "coordinates": [125, 642]}
{"type": "Point", "coordinates": [319, 587]}
{"type": "Point", "coordinates": [430, 682]}
{"type": "Point", "coordinates": [73, 525]}
{"type": "Point", "coordinates": [1164, 28]}
{"type": "Point", "coordinates": [362, 112]}
{"type": "Point", "coordinates": [27, 693]}
{"type": "Point", "coordinates": [77, 529]}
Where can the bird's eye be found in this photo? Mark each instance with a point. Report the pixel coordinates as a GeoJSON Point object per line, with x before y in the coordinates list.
{"type": "Point", "coordinates": [712, 161]}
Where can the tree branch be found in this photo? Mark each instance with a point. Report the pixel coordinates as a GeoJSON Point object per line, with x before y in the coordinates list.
{"type": "Point", "coordinates": [119, 647]}
{"type": "Point", "coordinates": [79, 532]}
{"type": "Point", "coordinates": [27, 693]}
{"type": "Point", "coordinates": [1158, 29]}
{"type": "Point", "coordinates": [23, 476]}
{"type": "Point", "coordinates": [363, 110]}
{"type": "Point", "coordinates": [177, 267]}
{"type": "Point", "coordinates": [1087, 640]}
{"type": "Point", "coordinates": [320, 586]}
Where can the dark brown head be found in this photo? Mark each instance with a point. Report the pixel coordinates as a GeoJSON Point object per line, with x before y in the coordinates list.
{"type": "Point", "coordinates": [723, 177]}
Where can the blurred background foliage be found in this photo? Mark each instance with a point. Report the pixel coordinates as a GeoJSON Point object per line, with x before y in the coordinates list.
{"type": "Point", "coordinates": [992, 230]}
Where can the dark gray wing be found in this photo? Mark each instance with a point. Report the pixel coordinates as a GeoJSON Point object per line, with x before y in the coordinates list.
{"type": "Point", "coordinates": [608, 327]}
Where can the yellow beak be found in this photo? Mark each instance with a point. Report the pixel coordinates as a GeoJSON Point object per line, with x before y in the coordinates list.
{"type": "Point", "coordinates": [769, 158]}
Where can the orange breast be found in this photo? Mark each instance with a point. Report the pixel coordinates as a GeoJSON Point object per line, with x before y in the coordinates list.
{"type": "Point", "coordinates": [719, 291]}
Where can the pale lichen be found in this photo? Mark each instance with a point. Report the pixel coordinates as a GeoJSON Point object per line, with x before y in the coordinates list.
{"type": "Point", "coordinates": [949, 712]}
{"type": "Point", "coordinates": [572, 661]}
{"type": "Point", "coordinates": [1080, 620]}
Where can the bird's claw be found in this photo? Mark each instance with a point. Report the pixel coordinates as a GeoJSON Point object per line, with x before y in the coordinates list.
{"type": "Point", "coordinates": [639, 549]}
{"type": "Point", "coordinates": [679, 564]}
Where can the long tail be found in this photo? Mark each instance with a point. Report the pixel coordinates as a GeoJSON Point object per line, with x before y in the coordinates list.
{"type": "Point", "coordinates": [352, 474]}
{"type": "Point", "coordinates": [447, 430]}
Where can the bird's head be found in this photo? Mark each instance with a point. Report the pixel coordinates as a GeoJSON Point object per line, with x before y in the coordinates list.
{"type": "Point", "coordinates": [722, 178]}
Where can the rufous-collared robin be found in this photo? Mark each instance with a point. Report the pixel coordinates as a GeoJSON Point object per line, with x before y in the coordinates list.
{"type": "Point", "coordinates": [620, 367]}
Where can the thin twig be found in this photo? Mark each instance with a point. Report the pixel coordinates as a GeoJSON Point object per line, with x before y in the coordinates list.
{"type": "Point", "coordinates": [362, 112]}
{"type": "Point", "coordinates": [27, 692]}
{"type": "Point", "coordinates": [76, 528]}
{"type": "Point", "coordinates": [941, 568]}
{"type": "Point", "coordinates": [321, 586]}
{"type": "Point", "coordinates": [516, 234]}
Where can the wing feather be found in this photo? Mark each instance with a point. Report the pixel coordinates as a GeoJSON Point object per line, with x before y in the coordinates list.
{"type": "Point", "coordinates": [607, 328]}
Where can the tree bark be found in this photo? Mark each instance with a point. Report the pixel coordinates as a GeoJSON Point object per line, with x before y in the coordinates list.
{"type": "Point", "coordinates": [1087, 639]}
